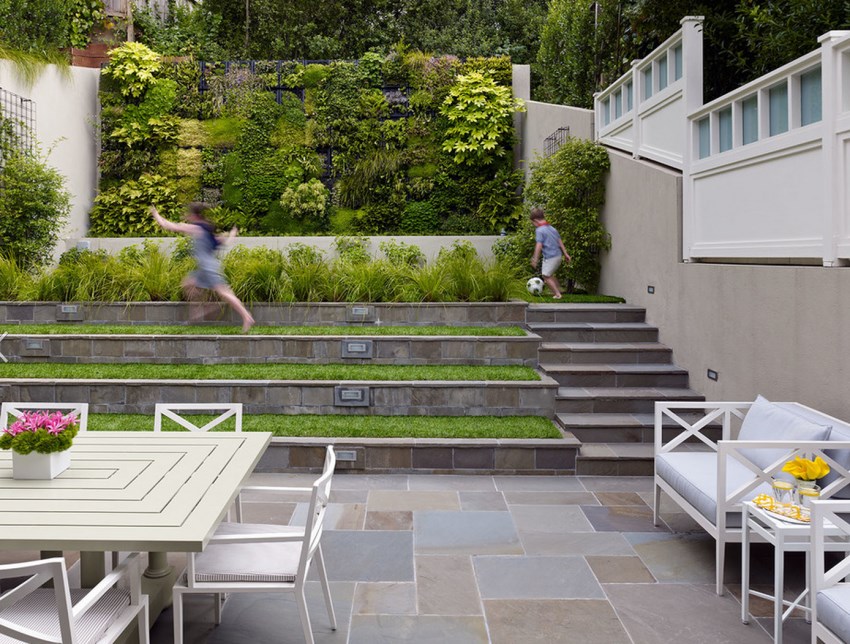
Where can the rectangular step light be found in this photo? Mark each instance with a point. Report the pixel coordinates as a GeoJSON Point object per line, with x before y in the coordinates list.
{"type": "Point", "coordinates": [360, 313]}
{"type": "Point", "coordinates": [351, 396]}
{"type": "Point", "coordinates": [711, 374]}
{"type": "Point", "coordinates": [69, 313]}
{"type": "Point", "coordinates": [356, 349]}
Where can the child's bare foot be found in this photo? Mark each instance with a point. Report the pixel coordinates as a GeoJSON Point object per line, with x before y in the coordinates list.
{"type": "Point", "coordinates": [247, 323]}
{"type": "Point", "coordinates": [556, 297]}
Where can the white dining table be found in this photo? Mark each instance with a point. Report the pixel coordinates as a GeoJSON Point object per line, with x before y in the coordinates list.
{"type": "Point", "coordinates": [130, 491]}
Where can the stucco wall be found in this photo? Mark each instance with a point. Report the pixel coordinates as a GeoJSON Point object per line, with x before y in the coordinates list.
{"type": "Point", "coordinates": [66, 113]}
{"type": "Point", "coordinates": [781, 331]}
{"type": "Point", "coordinates": [542, 119]}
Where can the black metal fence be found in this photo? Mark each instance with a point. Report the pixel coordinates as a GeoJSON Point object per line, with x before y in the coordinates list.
{"type": "Point", "coordinates": [554, 141]}
{"type": "Point", "coordinates": [17, 124]}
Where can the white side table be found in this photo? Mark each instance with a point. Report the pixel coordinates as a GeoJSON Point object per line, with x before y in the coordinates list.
{"type": "Point", "coordinates": [784, 536]}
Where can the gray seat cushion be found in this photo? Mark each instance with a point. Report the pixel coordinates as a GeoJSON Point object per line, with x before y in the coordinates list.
{"type": "Point", "coordinates": [694, 476]}
{"type": "Point", "coordinates": [38, 612]}
{"type": "Point", "coordinates": [834, 610]}
{"type": "Point", "coordinates": [275, 562]}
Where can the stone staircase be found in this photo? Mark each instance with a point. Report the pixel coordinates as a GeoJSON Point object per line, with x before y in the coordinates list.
{"type": "Point", "coordinates": [610, 369]}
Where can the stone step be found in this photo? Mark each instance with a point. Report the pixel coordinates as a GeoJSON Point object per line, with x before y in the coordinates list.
{"type": "Point", "coordinates": [369, 398]}
{"type": "Point", "coordinates": [617, 459]}
{"type": "Point", "coordinates": [568, 313]}
{"type": "Point", "coordinates": [604, 353]}
{"type": "Point", "coordinates": [621, 400]}
{"type": "Point", "coordinates": [594, 331]}
{"type": "Point", "coordinates": [239, 349]}
{"type": "Point", "coordinates": [617, 375]}
{"type": "Point", "coordinates": [625, 428]}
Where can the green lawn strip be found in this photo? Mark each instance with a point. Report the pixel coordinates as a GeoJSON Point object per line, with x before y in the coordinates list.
{"type": "Point", "coordinates": [334, 372]}
{"type": "Point", "coordinates": [354, 426]}
{"type": "Point", "coordinates": [150, 329]}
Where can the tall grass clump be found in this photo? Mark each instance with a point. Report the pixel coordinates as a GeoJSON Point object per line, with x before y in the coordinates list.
{"type": "Point", "coordinates": [15, 281]}
{"type": "Point", "coordinates": [258, 275]}
{"type": "Point", "coordinates": [151, 274]}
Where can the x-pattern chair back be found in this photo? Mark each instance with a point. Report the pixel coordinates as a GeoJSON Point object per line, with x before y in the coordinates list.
{"type": "Point", "coordinates": [14, 409]}
{"type": "Point", "coordinates": [176, 411]}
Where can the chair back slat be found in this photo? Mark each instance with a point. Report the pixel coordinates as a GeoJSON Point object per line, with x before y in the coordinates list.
{"type": "Point", "coordinates": [13, 409]}
{"type": "Point", "coordinates": [316, 512]}
{"type": "Point", "coordinates": [39, 572]}
{"type": "Point", "coordinates": [175, 411]}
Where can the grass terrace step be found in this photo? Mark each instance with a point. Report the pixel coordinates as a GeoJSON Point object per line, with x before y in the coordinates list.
{"type": "Point", "coordinates": [334, 372]}
{"type": "Point", "coordinates": [571, 313]}
{"type": "Point", "coordinates": [625, 400]}
{"type": "Point", "coordinates": [604, 353]}
{"type": "Point", "coordinates": [617, 375]}
{"type": "Point", "coordinates": [594, 331]}
{"type": "Point", "coordinates": [67, 328]}
{"type": "Point", "coordinates": [282, 425]}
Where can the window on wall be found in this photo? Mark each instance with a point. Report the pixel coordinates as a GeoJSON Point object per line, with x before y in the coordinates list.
{"type": "Point", "coordinates": [606, 111]}
{"type": "Point", "coordinates": [662, 73]}
{"type": "Point", "coordinates": [811, 97]}
{"type": "Point", "coordinates": [677, 62]}
{"type": "Point", "coordinates": [750, 119]}
{"type": "Point", "coordinates": [704, 133]}
{"type": "Point", "coordinates": [778, 109]}
{"type": "Point", "coordinates": [618, 104]}
{"type": "Point", "coordinates": [647, 82]}
{"type": "Point", "coordinates": [724, 129]}
{"type": "Point", "coordinates": [628, 93]}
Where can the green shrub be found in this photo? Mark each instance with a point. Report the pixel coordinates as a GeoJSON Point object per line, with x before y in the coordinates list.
{"type": "Point", "coordinates": [401, 254]}
{"type": "Point", "coordinates": [33, 205]}
{"type": "Point", "coordinates": [192, 134]}
{"type": "Point", "coordinates": [124, 210]}
{"type": "Point", "coordinates": [419, 218]}
{"type": "Point", "coordinates": [570, 186]}
{"type": "Point", "coordinates": [353, 250]}
{"type": "Point", "coordinates": [222, 132]}
{"type": "Point", "coordinates": [313, 75]}
{"type": "Point", "coordinates": [14, 279]}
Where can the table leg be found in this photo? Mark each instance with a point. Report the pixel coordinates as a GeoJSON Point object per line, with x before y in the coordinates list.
{"type": "Point", "coordinates": [92, 568]}
{"type": "Point", "coordinates": [778, 587]}
{"type": "Point", "coordinates": [745, 567]}
{"type": "Point", "coordinates": [158, 565]}
{"type": "Point", "coordinates": [809, 585]}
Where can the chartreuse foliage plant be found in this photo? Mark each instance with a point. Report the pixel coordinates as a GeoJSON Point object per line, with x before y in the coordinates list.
{"type": "Point", "coordinates": [479, 112]}
{"type": "Point", "coordinates": [134, 68]}
{"type": "Point", "coordinates": [570, 186]}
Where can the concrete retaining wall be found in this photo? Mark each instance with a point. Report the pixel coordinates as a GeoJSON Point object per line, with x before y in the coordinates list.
{"type": "Point", "coordinates": [319, 313]}
{"type": "Point", "coordinates": [780, 331]}
{"type": "Point", "coordinates": [433, 456]}
{"type": "Point", "coordinates": [206, 349]}
{"type": "Point", "coordinates": [423, 398]}
{"type": "Point", "coordinates": [542, 119]}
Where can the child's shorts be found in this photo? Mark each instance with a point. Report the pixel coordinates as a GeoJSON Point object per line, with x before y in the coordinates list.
{"type": "Point", "coordinates": [550, 265]}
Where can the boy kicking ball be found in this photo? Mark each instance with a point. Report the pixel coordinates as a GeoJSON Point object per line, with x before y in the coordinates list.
{"type": "Point", "coordinates": [550, 245]}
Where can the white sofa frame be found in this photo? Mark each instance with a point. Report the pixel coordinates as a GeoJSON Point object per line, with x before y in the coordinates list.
{"type": "Point", "coordinates": [833, 514]}
{"type": "Point", "coordinates": [727, 448]}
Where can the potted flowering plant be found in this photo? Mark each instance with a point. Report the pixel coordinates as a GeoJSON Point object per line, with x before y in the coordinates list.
{"type": "Point", "coordinates": [39, 442]}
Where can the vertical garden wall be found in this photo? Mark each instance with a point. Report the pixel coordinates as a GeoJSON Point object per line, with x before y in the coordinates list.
{"type": "Point", "coordinates": [404, 143]}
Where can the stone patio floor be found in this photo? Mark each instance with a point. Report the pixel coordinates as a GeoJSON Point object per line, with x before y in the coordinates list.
{"type": "Point", "coordinates": [507, 559]}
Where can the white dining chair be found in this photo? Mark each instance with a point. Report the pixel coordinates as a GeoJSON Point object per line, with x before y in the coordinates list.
{"type": "Point", "coordinates": [178, 413]}
{"type": "Point", "coordinates": [15, 409]}
{"type": "Point", "coordinates": [262, 558]}
{"type": "Point", "coordinates": [830, 582]}
{"type": "Point", "coordinates": [61, 615]}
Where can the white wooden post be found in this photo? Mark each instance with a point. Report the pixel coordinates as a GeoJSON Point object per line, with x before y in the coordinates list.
{"type": "Point", "coordinates": [692, 94]}
{"type": "Point", "coordinates": [833, 180]}
{"type": "Point", "coordinates": [637, 99]}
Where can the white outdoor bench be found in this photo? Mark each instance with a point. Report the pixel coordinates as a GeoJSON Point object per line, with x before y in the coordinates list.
{"type": "Point", "coordinates": [709, 479]}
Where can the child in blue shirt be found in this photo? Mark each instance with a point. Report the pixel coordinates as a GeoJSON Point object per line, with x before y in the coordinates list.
{"type": "Point", "coordinates": [552, 248]}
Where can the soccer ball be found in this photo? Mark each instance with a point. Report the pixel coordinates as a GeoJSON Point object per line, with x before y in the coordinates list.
{"type": "Point", "coordinates": [534, 286]}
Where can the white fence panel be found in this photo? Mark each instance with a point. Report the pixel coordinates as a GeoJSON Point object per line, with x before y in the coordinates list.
{"type": "Point", "coordinates": [644, 111]}
{"type": "Point", "coordinates": [767, 172]}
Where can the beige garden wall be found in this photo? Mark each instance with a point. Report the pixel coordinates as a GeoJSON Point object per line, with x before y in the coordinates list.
{"type": "Point", "coordinates": [67, 110]}
{"type": "Point", "coordinates": [542, 119]}
{"type": "Point", "coordinates": [781, 331]}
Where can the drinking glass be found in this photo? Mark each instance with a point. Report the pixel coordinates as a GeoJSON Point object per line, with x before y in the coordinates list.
{"type": "Point", "coordinates": [782, 491]}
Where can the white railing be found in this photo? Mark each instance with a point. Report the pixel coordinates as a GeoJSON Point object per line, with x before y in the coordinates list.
{"type": "Point", "coordinates": [767, 165]}
{"type": "Point", "coordinates": [644, 111]}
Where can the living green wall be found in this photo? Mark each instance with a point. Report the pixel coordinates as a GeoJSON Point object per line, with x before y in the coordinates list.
{"type": "Point", "coordinates": [387, 144]}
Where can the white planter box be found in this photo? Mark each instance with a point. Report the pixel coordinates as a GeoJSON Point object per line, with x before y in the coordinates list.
{"type": "Point", "coordinates": [40, 466]}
